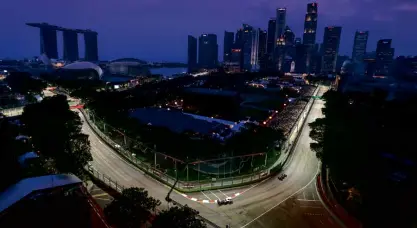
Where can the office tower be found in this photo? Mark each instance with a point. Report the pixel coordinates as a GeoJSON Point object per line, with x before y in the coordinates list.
{"type": "Point", "coordinates": [271, 36]}
{"type": "Point", "coordinates": [310, 24]}
{"type": "Point", "coordinates": [239, 38]}
{"type": "Point", "coordinates": [207, 51]}
{"type": "Point", "coordinates": [49, 45]}
{"type": "Point", "coordinates": [91, 48]}
{"type": "Point", "coordinates": [297, 41]}
{"type": "Point", "coordinates": [237, 57]}
{"type": "Point", "coordinates": [281, 15]}
{"type": "Point", "coordinates": [250, 48]}
{"type": "Point", "coordinates": [331, 42]}
{"type": "Point", "coordinates": [359, 46]}
{"type": "Point", "coordinates": [289, 36]}
{"type": "Point", "coordinates": [301, 51]}
{"type": "Point", "coordinates": [384, 57]}
{"type": "Point", "coordinates": [229, 38]}
{"type": "Point", "coordinates": [262, 50]}
{"type": "Point", "coordinates": [270, 46]}
{"type": "Point", "coordinates": [70, 45]}
{"type": "Point", "coordinates": [309, 35]}
{"type": "Point", "coordinates": [279, 54]}
{"type": "Point", "coordinates": [192, 54]}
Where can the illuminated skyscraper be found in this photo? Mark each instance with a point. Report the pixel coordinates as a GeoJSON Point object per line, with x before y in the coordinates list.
{"type": "Point", "coordinates": [359, 46]}
{"type": "Point", "coordinates": [384, 57]}
{"type": "Point", "coordinates": [310, 24]}
{"type": "Point", "coordinates": [281, 22]}
{"type": "Point", "coordinates": [208, 51]}
{"type": "Point", "coordinates": [229, 38]}
{"type": "Point", "coordinates": [331, 42]}
{"type": "Point", "coordinates": [250, 48]}
{"type": "Point", "coordinates": [192, 53]}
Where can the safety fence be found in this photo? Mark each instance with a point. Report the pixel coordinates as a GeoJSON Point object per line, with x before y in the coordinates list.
{"type": "Point", "coordinates": [206, 184]}
{"type": "Point", "coordinates": [119, 188]}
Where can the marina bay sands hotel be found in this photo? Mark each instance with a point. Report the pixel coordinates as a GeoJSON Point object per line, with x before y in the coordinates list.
{"type": "Point", "coordinates": [49, 46]}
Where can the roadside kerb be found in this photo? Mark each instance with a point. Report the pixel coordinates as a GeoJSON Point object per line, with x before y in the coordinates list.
{"type": "Point", "coordinates": [194, 186]}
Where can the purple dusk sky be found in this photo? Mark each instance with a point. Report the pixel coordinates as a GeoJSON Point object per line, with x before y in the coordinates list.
{"type": "Point", "coordinates": [156, 30]}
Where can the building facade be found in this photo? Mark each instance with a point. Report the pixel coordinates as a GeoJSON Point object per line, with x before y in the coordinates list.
{"type": "Point", "coordinates": [310, 24]}
{"type": "Point", "coordinates": [281, 17]}
{"type": "Point", "coordinates": [70, 45]}
{"type": "Point", "coordinates": [262, 50]}
{"type": "Point", "coordinates": [331, 42]}
{"type": "Point", "coordinates": [208, 51]}
{"type": "Point", "coordinates": [228, 42]}
{"type": "Point", "coordinates": [270, 46]}
{"type": "Point", "coordinates": [384, 57]}
{"type": "Point", "coordinates": [192, 54]}
{"type": "Point", "coordinates": [91, 46]}
{"type": "Point", "coordinates": [359, 46]}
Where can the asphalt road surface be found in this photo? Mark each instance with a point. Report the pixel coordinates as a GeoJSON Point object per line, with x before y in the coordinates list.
{"type": "Point", "coordinates": [256, 205]}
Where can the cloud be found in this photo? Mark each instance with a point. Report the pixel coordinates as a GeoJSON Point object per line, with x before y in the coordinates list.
{"type": "Point", "coordinates": [409, 7]}
{"type": "Point", "coordinates": [382, 17]}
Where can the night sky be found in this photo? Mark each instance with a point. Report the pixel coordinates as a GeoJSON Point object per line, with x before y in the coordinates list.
{"type": "Point", "coordinates": [156, 30]}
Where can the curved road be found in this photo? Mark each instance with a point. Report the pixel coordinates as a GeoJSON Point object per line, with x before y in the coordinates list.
{"type": "Point", "coordinates": [250, 208]}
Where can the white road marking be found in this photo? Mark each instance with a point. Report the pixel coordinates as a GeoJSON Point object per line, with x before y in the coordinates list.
{"type": "Point", "coordinates": [214, 195]}
{"type": "Point", "coordinates": [223, 193]}
{"type": "Point", "coordinates": [299, 190]}
{"type": "Point", "coordinates": [306, 200]}
{"type": "Point", "coordinates": [206, 196]}
{"type": "Point", "coordinates": [253, 186]}
{"type": "Point", "coordinates": [193, 199]}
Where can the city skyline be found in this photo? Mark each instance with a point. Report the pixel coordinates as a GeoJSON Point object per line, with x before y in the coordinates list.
{"type": "Point", "coordinates": [129, 27]}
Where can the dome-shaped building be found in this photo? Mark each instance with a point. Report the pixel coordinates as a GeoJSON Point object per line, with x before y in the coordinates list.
{"type": "Point", "coordinates": [347, 67]}
{"type": "Point", "coordinates": [80, 70]}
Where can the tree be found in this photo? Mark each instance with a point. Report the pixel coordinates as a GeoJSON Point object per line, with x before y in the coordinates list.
{"type": "Point", "coordinates": [23, 83]}
{"type": "Point", "coordinates": [9, 166]}
{"type": "Point", "coordinates": [178, 217]}
{"type": "Point", "coordinates": [56, 134]}
{"type": "Point", "coordinates": [131, 209]}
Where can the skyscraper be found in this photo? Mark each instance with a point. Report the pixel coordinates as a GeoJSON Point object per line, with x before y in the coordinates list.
{"type": "Point", "coordinates": [297, 40]}
{"type": "Point", "coordinates": [250, 48]}
{"type": "Point", "coordinates": [289, 36]}
{"type": "Point", "coordinates": [271, 35]}
{"type": "Point", "coordinates": [281, 22]}
{"type": "Point", "coordinates": [91, 48]}
{"type": "Point", "coordinates": [229, 38]}
{"type": "Point", "coordinates": [208, 51]}
{"type": "Point", "coordinates": [262, 52]}
{"type": "Point", "coordinates": [70, 45]}
{"type": "Point", "coordinates": [331, 42]}
{"type": "Point", "coordinates": [384, 57]}
{"type": "Point", "coordinates": [359, 46]}
{"type": "Point", "coordinates": [192, 53]}
{"type": "Point", "coordinates": [49, 42]}
{"type": "Point", "coordinates": [310, 24]}
{"type": "Point", "coordinates": [270, 46]}
{"type": "Point", "coordinates": [309, 35]}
